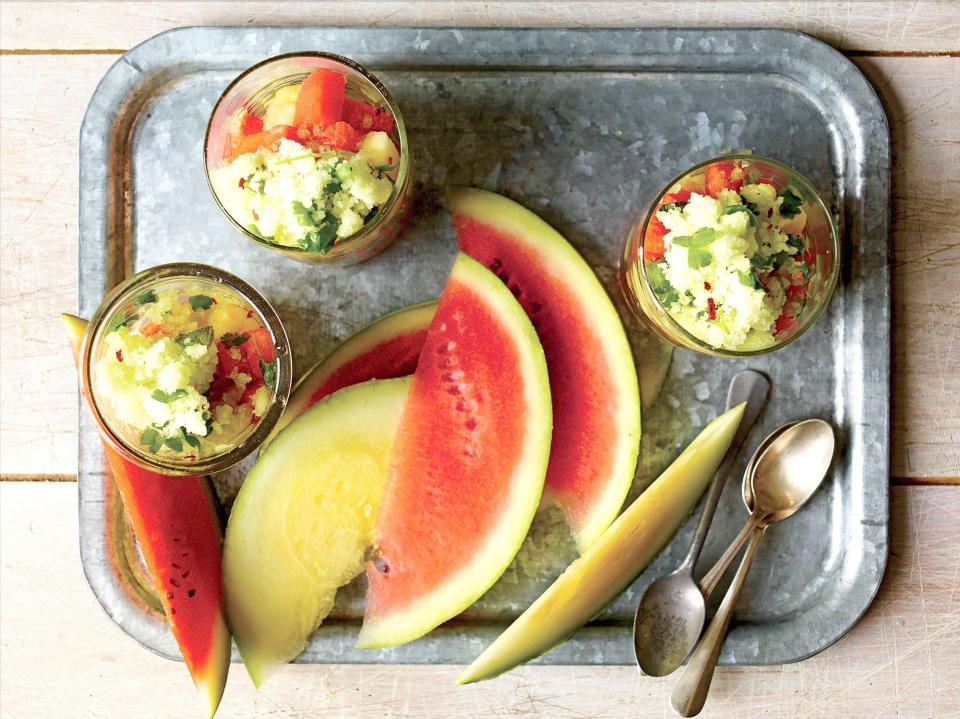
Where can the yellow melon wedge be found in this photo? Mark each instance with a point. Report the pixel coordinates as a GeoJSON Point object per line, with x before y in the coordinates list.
{"type": "Point", "coordinates": [615, 559]}
{"type": "Point", "coordinates": [304, 518]}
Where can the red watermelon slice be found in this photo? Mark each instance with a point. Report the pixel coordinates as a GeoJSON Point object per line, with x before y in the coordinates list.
{"type": "Point", "coordinates": [176, 525]}
{"type": "Point", "coordinates": [596, 403]}
{"type": "Point", "coordinates": [384, 349]}
{"type": "Point", "coordinates": [467, 465]}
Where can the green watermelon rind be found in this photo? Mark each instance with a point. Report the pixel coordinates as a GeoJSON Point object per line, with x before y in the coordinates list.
{"type": "Point", "coordinates": [366, 339]}
{"type": "Point", "coordinates": [504, 539]}
{"type": "Point", "coordinates": [516, 221]}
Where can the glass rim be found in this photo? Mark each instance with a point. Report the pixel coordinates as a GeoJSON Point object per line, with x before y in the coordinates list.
{"type": "Point", "coordinates": [189, 271]}
{"type": "Point", "coordinates": [831, 279]}
{"type": "Point", "coordinates": [403, 169]}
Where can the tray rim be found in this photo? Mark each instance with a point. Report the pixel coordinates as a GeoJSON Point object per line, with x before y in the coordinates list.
{"type": "Point", "coordinates": [119, 85]}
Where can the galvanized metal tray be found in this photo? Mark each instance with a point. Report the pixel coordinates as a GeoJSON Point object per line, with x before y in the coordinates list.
{"type": "Point", "coordinates": [582, 126]}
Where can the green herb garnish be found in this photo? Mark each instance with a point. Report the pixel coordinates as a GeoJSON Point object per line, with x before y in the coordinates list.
{"type": "Point", "coordinates": [200, 302]}
{"type": "Point", "coordinates": [199, 336]}
{"type": "Point", "coordinates": [174, 443]}
{"type": "Point", "coordinates": [805, 270]}
{"type": "Point", "coordinates": [167, 398]}
{"type": "Point", "coordinates": [145, 298]}
{"type": "Point", "coordinates": [665, 292]}
{"type": "Point", "coordinates": [151, 439]}
{"type": "Point", "coordinates": [697, 255]}
{"type": "Point", "coordinates": [269, 372]}
{"type": "Point", "coordinates": [750, 279]}
{"type": "Point", "coordinates": [122, 321]}
{"type": "Point", "coordinates": [322, 237]}
{"type": "Point", "coordinates": [791, 203]}
{"type": "Point", "coordinates": [672, 206]}
{"type": "Point", "coordinates": [796, 242]}
{"type": "Point", "coordinates": [233, 339]}
{"type": "Point", "coordinates": [190, 439]}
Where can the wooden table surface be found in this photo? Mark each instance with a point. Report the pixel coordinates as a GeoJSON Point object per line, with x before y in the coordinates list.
{"type": "Point", "coordinates": [60, 655]}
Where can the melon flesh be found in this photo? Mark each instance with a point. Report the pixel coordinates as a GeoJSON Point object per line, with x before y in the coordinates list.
{"type": "Point", "coordinates": [304, 519]}
{"type": "Point", "coordinates": [177, 528]}
{"type": "Point", "coordinates": [468, 463]}
{"type": "Point", "coordinates": [615, 559]}
{"type": "Point", "coordinates": [384, 349]}
{"type": "Point", "coordinates": [596, 402]}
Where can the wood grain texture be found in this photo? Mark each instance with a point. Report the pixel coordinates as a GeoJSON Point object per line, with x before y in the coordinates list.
{"type": "Point", "coordinates": [60, 656]}
{"type": "Point", "coordinates": [925, 25]}
{"type": "Point", "coordinates": [38, 186]}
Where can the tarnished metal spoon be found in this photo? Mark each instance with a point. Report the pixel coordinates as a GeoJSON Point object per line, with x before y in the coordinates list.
{"type": "Point", "coordinates": [784, 477]}
{"type": "Point", "coordinates": [672, 611]}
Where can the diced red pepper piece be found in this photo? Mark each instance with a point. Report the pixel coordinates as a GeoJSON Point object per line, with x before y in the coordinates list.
{"type": "Point", "coordinates": [723, 175]}
{"type": "Point", "coordinates": [795, 293]}
{"type": "Point", "coordinates": [653, 247]}
{"type": "Point", "coordinates": [678, 196]}
{"type": "Point", "coordinates": [263, 344]}
{"type": "Point", "coordinates": [782, 323]}
{"type": "Point", "coordinates": [767, 181]}
{"type": "Point", "coordinates": [250, 124]}
{"type": "Point", "coordinates": [367, 117]}
{"type": "Point", "coordinates": [320, 101]}
{"type": "Point", "coordinates": [711, 309]}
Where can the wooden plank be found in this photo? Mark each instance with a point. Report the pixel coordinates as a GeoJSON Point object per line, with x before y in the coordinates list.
{"type": "Point", "coordinates": [60, 656]}
{"type": "Point", "coordinates": [921, 99]}
{"type": "Point", "coordinates": [922, 25]}
{"type": "Point", "coordinates": [38, 277]}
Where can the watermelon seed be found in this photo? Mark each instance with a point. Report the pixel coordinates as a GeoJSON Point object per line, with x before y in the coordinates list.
{"type": "Point", "coordinates": [174, 582]}
{"type": "Point", "coordinates": [191, 592]}
{"type": "Point", "coordinates": [515, 289]}
{"type": "Point", "coordinates": [495, 265]}
{"type": "Point", "coordinates": [172, 611]}
{"type": "Point", "coordinates": [535, 307]}
{"type": "Point", "coordinates": [169, 595]}
{"type": "Point", "coordinates": [185, 574]}
{"type": "Point", "coordinates": [175, 565]}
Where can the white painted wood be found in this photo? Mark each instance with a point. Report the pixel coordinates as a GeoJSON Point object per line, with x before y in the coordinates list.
{"type": "Point", "coordinates": [61, 657]}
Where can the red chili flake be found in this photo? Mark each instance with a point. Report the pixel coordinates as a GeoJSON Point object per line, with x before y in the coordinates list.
{"type": "Point", "coordinates": [242, 182]}
{"type": "Point", "coordinates": [711, 309]}
{"type": "Point", "coordinates": [769, 227]}
{"type": "Point", "coordinates": [119, 355]}
{"type": "Point", "coordinates": [706, 285]}
{"type": "Point", "coordinates": [770, 212]}
{"type": "Point", "coordinates": [249, 313]}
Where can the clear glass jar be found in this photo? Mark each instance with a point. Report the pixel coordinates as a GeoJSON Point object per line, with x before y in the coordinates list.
{"type": "Point", "coordinates": [822, 249]}
{"type": "Point", "coordinates": [252, 92]}
{"type": "Point", "coordinates": [126, 305]}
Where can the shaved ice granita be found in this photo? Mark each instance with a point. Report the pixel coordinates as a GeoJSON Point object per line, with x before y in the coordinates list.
{"type": "Point", "coordinates": [188, 368]}
{"type": "Point", "coordinates": [738, 256]}
{"type": "Point", "coordinates": [307, 155]}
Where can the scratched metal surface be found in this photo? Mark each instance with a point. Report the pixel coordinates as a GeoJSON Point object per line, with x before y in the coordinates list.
{"type": "Point", "coordinates": [583, 126]}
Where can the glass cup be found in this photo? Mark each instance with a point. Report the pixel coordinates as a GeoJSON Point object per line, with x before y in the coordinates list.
{"type": "Point", "coordinates": [253, 90]}
{"type": "Point", "coordinates": [821, 252]}
{"type": "Point", "coordinates": [122, 303]}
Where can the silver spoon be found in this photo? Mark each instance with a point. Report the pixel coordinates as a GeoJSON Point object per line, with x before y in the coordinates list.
{"type": "Point", "coordinates": [671, 613]}
{"type": "Point", "coordinates": [784, 477]}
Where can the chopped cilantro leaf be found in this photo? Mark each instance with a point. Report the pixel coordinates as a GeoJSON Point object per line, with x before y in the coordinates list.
{"type": "Point", "coordinates": [791, 203]}
{"type": "Point", "coordinates": [697, 256]}
{"type": "Point", "coordinates": [200, 302]}
{"type": "Point", "coordinates": [145, 298]}
{"type": "Point", "coordinates": [190, 439]}
{"type": "Point", "coordinates": [161, 396]}
{"type": "Point", "coordinates": [233, 339]}
{"type": "Point", "coordinates": [750, 279]}
{"type": "Point", "coordinates": [269, 372]}
{"type": "Point", "coordinates": [796, 242]}
{"type": "Point", "coordinates": [805, 270]}
{"type": "Point", "coordinates": [304, 214]}
{"type": "Point", "coordinates": [322, 238]}
{"type": "Point", "coordinates": [199, 336]}
{"type": "Point", "coordinates": [174, 443]}
{"type": "Point", "coordinates": [122, 321]}
{"type": "Point", "coordinates": [660, 285]}
{"type": "Point", "coordinates": [151, 439]}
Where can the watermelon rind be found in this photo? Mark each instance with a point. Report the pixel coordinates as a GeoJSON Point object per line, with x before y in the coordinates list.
{"type": "Point", "coordinates": [389, 327]}
{"type": "Point", "coordinates": [482, 569]}
{"type": "Point", "coordinates": [615, 559]}
{"type": "Point", "coordinates": [561, 260]}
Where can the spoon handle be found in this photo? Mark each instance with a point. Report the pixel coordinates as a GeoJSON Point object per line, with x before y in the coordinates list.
{"type": "Point", "coordinates": [751, 387]}
{"type": "Point", "coordinates": [691, 691]}
{"type": "Point", "coordinates": [709, 580]}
